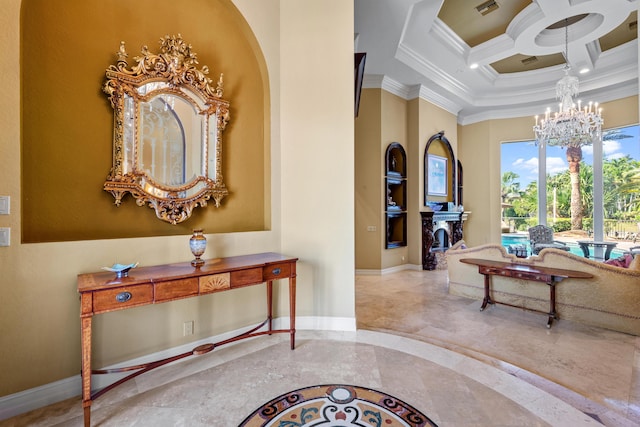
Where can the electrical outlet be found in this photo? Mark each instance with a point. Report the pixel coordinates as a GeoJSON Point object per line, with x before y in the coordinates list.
{"type": "Point", "coordinates": [4, 205]}
{"type": "Point", "coordinates": [187, 328]}
{"type": "Point", "coordinates": [371, 228]}
{"type": "Point", "coordinates": [5, 236]}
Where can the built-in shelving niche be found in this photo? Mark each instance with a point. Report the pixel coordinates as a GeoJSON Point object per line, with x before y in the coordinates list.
{"type": "Point", "coordinates": [395, 202]}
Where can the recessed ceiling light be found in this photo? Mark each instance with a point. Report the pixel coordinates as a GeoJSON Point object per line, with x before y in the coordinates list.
{"type": "Point", "coordinates": [473, 66]}
{"type": "Point", "coordinates": [584, 70]}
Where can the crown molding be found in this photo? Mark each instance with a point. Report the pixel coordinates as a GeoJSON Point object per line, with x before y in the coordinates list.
{"type": "Point", "coordinates": [410, 92]}
{"type": "Point", "coordinates": [624, 90]}
{"type": "Point", "coordinates": [417, 62]}
{"type": "Point", "coordinates": [441, 31]}
{"type": "Point", "coordinates": [506, 111]}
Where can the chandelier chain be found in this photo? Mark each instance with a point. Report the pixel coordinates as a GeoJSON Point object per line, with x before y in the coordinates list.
{"type": "Point", "coordinates": [566, 42]}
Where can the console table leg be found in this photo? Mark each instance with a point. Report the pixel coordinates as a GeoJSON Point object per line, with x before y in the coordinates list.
{"type": "Point", "coordinates": [87, 415]}
{"type": "Point", "coordinates": [270, 304]}
{"type": "Point", "coordinates": [85, 339]}
{"type": "Point", "coordinates": [292, 310]}
{"type": "Point", "coordinates": [552, 304]}
{"type": "Point", "coordinates": [487, 297]}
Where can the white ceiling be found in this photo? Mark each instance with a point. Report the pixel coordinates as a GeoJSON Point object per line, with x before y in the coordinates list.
{"type": "Point", "coordinates": [413, 53]}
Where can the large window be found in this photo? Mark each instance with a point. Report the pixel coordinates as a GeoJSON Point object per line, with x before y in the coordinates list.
{"type": "Point", "coordinates": [619, 198]}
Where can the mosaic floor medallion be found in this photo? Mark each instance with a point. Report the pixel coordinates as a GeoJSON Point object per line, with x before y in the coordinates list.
{"type": "Point", "coordinates": [336, 405]}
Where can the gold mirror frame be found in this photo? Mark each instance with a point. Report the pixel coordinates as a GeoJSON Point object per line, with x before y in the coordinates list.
{"type": "Point", "coordinates": [163, 79]}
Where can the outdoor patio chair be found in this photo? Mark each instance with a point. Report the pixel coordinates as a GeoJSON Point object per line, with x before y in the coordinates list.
{"type": "Point", "coordinates": [541, 237]}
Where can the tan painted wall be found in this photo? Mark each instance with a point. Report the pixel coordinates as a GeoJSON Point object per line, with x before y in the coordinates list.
{"type": "Point", "coordinates": [386, 118]}
{"type": "Point", "coordinates": [480, 157]}
{"type": "Point", "coordinates": [382, 120]}
{"type": "Point", "coordinates": [394, 129]}
{"type": "Point", "coordinates": [475, 156]}
{"type": "Point", "coordinates": [39, 339]}
{"type": "Point", "coordinates": [369, 160]}
{"type": "Point", "coordinates": [317, 175]}
{"type": "Point", "coordinates": [68, 122]}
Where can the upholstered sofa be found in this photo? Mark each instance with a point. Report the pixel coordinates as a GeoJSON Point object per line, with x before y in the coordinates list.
{"type": "Point", "coordinates": [611, 299]}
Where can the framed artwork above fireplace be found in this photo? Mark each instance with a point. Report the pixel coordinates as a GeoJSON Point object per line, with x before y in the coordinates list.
{"type": "Point", "coordinates": [437, 181]}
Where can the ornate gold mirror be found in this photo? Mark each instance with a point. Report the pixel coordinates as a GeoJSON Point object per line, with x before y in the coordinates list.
{"type": "Point", "coordinates": [168, 123]}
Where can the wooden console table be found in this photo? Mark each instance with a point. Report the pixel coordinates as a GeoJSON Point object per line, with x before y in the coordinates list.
{"type": "Point", "coordinates": [102, 293]}
{"type": "Point", "coordinates": [547, 275]}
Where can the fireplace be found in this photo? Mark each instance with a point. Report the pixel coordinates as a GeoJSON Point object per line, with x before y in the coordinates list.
{"type": "Point", "coordinates": [440, 230]}
{"type": "Point", "coordinates": [440, 240]}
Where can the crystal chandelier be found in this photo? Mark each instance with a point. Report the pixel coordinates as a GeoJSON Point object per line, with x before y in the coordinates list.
{"type": "Point", "coordinates": [573, 125]}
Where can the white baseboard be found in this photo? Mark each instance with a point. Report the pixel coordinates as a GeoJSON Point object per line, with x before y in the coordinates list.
{"type": "Point", "coordinates": [394, 269]}
{"type": "Point", "coordinates": [37, 397]}
{"type": "Point", "coordinates": [322, 323]}
{"type": "Point", "coordinates": [34, 398]}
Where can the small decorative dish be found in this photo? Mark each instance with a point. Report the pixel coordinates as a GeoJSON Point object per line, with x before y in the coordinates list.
{"type": "Point", "coordinates": [121, 270]}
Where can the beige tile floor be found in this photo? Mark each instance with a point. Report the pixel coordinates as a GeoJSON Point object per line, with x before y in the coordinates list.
{"type": "Point", "coordinates": [593, 369]}
{"type": "Point", "coordinates": [502, 367]}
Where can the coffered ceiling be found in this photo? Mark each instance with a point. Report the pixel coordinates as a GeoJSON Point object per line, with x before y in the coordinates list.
{"type": "Point", "coordinates": [498, 58]}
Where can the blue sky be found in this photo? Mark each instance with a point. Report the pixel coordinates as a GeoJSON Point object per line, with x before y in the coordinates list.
{"type": "Point", "coordinates": [522, 157]}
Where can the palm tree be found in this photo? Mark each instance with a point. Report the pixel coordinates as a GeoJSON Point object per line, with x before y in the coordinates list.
{"type": "Point", "coordinates": [510, 188]}
{"type": "Point", "coordinates": [620, 188]}
{"type": "Point", "coordinates": [631, 188]}
{"type": "Point", "coordinates": [574, 157]}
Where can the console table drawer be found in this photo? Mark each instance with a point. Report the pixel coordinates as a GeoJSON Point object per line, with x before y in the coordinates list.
{"type": "Point", "coordinates": [493, 270]}
{"type": "Point", "coordinates": [124, 297]}
{"type": "Point", "coordinates": [175, 289]}
{"type": "Point", "coordinates": [531, 276]}
{"type": "Point", "coordinates": [517, 274]}
{"type": "Point", "coordinates": [276, 271]}
{"type": "Point", "coordinates": [214, 282]}
{"type": "Point", "coordinates": [250, 276]}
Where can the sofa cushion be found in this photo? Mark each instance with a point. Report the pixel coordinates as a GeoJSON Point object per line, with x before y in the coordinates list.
{"type": "Point", "coordinates": [624, 261]}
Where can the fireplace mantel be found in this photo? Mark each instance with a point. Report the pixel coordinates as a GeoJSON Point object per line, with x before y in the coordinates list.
{"type": "Point", "coordinates": [447, 216]}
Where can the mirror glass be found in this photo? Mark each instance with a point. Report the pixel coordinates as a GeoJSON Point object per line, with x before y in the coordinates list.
{"type": "Point", "coordinates": [168, 131]}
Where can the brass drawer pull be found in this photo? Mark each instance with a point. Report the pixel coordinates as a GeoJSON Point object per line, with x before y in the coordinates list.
{"type": "Point", "coordinates": [123, 296]}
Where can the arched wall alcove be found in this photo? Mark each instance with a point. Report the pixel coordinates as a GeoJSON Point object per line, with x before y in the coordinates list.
{"type": "Point", "coordinates": [444, 151]}
{"type": "Point", "coordinates": [67, 122]}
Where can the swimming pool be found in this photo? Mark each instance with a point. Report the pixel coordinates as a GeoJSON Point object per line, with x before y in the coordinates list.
{"type": "Point", "coordinates": [515, 239]}
{"type": "Point", "coordinates": [523, 239]}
